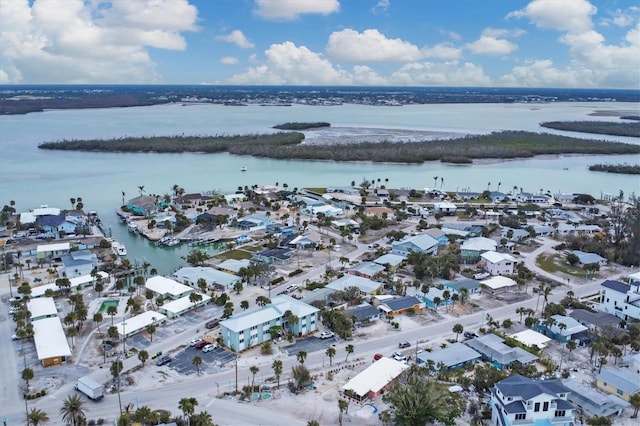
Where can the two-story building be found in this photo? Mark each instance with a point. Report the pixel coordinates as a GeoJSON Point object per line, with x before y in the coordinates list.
{"type": "Point", "coordinates": [472, 249]}
{"type": "Point", "coordinates": [421, 243]}
{"type": "Point", "coordinates": [498, 263]}
{"type": "Point", "coordinates": [521, 401]}
{"type": "Point", "coordinates": [620, 299]}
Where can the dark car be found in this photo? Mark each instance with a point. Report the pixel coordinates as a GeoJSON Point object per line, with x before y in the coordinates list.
{"type": "Point", "coordinates": [163, 360]}
{"type": "Point", "coordinates": [470, 335]}
{"type": "Point", "coordinates": [404, 344]}
{"type": "Point", "coordinates": [213, 323]}
{"type": "Point", "coordinates": [201, 344]}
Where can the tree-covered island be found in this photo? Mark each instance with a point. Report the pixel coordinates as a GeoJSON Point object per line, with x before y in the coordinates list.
{"type": "Point", "coordinates": [499, 145]}
{"type": "Point", "coordinates": [625, 169]}
{"type": "Point", "coordinates": [301, 126]}
{"type": "Point", "coordinates": [597, 127]}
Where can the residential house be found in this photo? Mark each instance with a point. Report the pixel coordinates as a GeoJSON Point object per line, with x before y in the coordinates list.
{"type": "Point", "coordinates": [374, 379]}
{"type": "Point", "coordinates": [437, 234]}
{"type": "Point", "coordinates": [363, 313]}
{"type": "Point", "coordinates": [325, 209]}
{"type": "Point", "coordinates": [167, 288]}
{"type": "Point", "coordinates": [472, 248]}
{"type": "Point", "coordinates": [620, 299]}
{"type": "Point", "coordinates": [52, 251]}
{"type": "Point", "coordinates": [522, 401]}
{"type": "Point", "coordinates": [592, 403]}
{"type": "Point", "coordinates": [278, 255]}
{"type": "Point", "coordinates": [421, 243]}
{"type": "Point", "coordinates": [498, 283]}
{"type": "Point", "coordinates": [365, 285]}
{"type": "Point", "coordinates": [589, 258]}
{"type": "Point", "coordinates": [251, 328]}
{"type": "Point", "coordinates": [145, 205]}
{"type": "Point", "coordinates": [445, 208]}
{"type": "Point", "coordinates": [55, 225]}
{"type": "Point", "coordinates": [498, 263]}
{"type": "Point", "coordinates": [437, 294]}
{"type": "Point", "coordinates": [578, 228]}
{"type": "Point", "coordinates": [78, 263]}
{"type": "Point", "coordinates": [175, 308]}
{"type": "Point", "coordinates": [497, 353]}
{"type": "Point", "coordinates": [531, 338]}
{"type": "Point", "coordinates": [497, 196]}
{"type": "Point", "coordinates": [529, 198]}
{"type": "Point", "coordinates": [595, 321]}
{"type": "Point", "coordinates": [564, 197]}
{"type": "Point", "coordinates": [471, 286]}
{"type": "Point", "coordinates": [308, 241]}
{"type": "Point", "coordinates": [634, 278]}
{"type": "Point", "coordinates": [380, 211]}
{"type": "Point", "coordinates": [543, 230]}
{"type": "Point", "coordinates": [468, 195]}
{"type": "Point", "coordinates": [42, 307]}
{"type": "Point", "coordinates": [560, 333]}
{"type": "Point", "coordinates": [620, 381]}
{"type": "Point", "coordinates": [233, 266]}
{"type": "Point", "coordinates": [401, 305]}
{"type": "Point", "coordinates": [366, 269]}
{"type": "Point", "coordinates": [450, 358]}
{"type": "Point", "coordinates": [254, 222]}
{"type": "Point", "coordinates": [390, 261]}
{"type": "Point", "coordinates": [346, 224]}
{"type": "Point", "coordinates": [191, 275]}
{"type": "Point", "coordinates": [514, 234]}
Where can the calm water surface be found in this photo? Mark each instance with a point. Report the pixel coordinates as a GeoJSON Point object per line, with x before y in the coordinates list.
{"type": "Point", "coordinates": [33, 177]}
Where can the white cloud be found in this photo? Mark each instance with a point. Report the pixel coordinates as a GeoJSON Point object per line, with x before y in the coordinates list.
{"type": "Point", "coordinates": [381, 7]}
{"type": "Point", "coordinates": [569, 16]}
{"type": "Point", "coordinates": [238, 38]}
{"type": "Point", "coordinates": [369, 46]}
{"type": "Point", "coordinates": [229, 60]}
{"type": "Point", "coordinates": [441, 51]}
{"type": "Point", "coordinates": [450, 73]}
{"type": "Point", "coordinates": [450, 34]}
{"type": "Point", "coordinates": [491, 46]}
{"type": "Point", "coordinates": [100, 41]}
{"type": "Point", "coordinates": [622, 18]}
{"type": "Point", "coordinates": [291, 9]}
{"type": "Point", "coordinates": [503, 32]}
{"type": "Point", "coordinates": [542, 73]}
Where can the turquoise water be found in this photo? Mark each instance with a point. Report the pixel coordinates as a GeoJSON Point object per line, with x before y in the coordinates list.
{"type": "Point", "coordinates": [32, 177]}
{"type": "Point", "coordinates": [106, 304]}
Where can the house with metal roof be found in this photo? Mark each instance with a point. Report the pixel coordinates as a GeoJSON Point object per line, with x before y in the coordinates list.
{"type": "Point", "coordinates": [591, 402]}
{"type": "Point", "coordinates": [472, 286]}
{"type": "Point", "coordinates": [452, 357]}
{"type": "Point", "coordinates": [366, 269]}
{"type": "Point", "coordinates": [79, 263]}
{"type": "Point", "coordinates": [518, 400]}
{"type": "Point", "coordinates": [44, 251]}
{"type": "Point", "coordinates": [531, 338]}
{"type": "Point", "coordinates": [365, 285]}
{"type": "Point", "coordinates": [145, 205]}
{"type": "Point", "coordinates": [498, 283]}
{"type": "Point", "coordinates": [421, 243]}
{"type": "Point", "coordinates": [42, 307]}
{"type": "Point", "coordinates": [401, 305]}
{"type": "Point", "coordinates": [177, 307]}
{"type": "Point", "coordinates": [595, 321]}
{"type": "Point", "coordinates": [363, 313]}
{"type": "Point", "coordinates": [278, 255]}
{"type": "Point", "coordinates": [251, 328]}
{"type": "Point", "coordinates": [445, 207]}
{"type": "Point", "coordinates": [390, 261]}
{"type": "Point", "coordinates": [50, 341]}
{"type": "Point", "coordinates": [498, 263]}
{"type": "Point", "coordinates": [620, 299]}
{"type": "Point", "coordinates": [191, 275]}
{"type": "Point", "coordinates": [168, 288]}
{"type": "Point", "coordinates": [136, 324]}
{"type": "Point", "coordinates": [233, 266]}
{"type": "Point", "coordinates": [472, 248]}
{"type": "Point", "coordinates": [497, 353]}
{"type": "Point", "coordinates": [589, 258]}
{"type": "Point", "coordinates": [374, 379]}
{"type": "Point", "coordinates": [436, 294]}
{"type": "Point", "coordinates": [561, 333]}
{"type": "Point", "coordinates": [622, 382]}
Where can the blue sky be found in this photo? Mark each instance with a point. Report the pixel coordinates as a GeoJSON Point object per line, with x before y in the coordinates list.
{"type": "Point", "coordinates": [512, 43]}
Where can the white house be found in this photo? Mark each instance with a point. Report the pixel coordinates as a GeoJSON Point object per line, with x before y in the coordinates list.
{"type": "Point", "coordinates": [168, 288]}
{"type": "Point", "coordinates": [498, 263]}
{"type": "Point", "coordinates": [445, 207]}
{"type": "Point", "coordinates": [620, 299]}
{"type": "Point", "coordinates": [527, 402]}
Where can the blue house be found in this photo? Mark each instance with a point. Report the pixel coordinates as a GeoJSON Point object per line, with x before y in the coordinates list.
{"type": "Point", "coordinates": [561, 333]}
{"type": "Point", "coordinates": [430, 296]}
{"type": "Point", "coordinates": [452, 357]}
{"type": "Point", "coordinates": [55, 224]}
{"type": "Point", "coordinates": [421, 243]}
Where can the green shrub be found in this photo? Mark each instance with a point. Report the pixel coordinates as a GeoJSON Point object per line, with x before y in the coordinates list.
{"type": "Point", "coordinates": [277, 280]}
{"type": "Point", "coordinates": [296, 272]}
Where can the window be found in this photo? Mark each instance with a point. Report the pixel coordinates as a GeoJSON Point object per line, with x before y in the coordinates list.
{"type": "Point", "coordinates": [619, 392]}
{"type": "Point", "coordinates": [509, 399]}
{"type": "Point", "coordinates": [545, 406]}
{"type": "Point", "coordinates": [536, 408]}
{"type": "Point", "coordinates": [559, 413]}
{"type": "Point", "coordinates": [521, 416]}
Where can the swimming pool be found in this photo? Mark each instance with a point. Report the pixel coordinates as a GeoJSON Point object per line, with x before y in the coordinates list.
{"type": "Point", "coordinates": [106, 304]}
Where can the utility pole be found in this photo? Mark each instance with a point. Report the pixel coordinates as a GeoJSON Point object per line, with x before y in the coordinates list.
{"type": "Point", "coordinates": [237, 357]}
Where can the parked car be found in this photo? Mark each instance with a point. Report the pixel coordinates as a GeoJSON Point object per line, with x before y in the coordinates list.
{"type": "Point", "coordinates": [201, 344]}
{"type": "Point", "coordinates": [470, 335]}
{"type": "Point", "coordinates": [404, 344]}
{"type": "Point", "coordinates": [326, 335]}
{"type": "Point", "coordinates": [166, 359]}
{"type": "Point", "coordinates": [212, 323]}
{"type": "Point", "coordinates": [399, 357]}
{"type": "Point", "coordinates": [15, 337]}
{"type": "Point", "coordinates": [209, 347]}
{"type": "Point", "coordinates": [377, 357]}
{"type": "Point", "coordinates": [194, 342]}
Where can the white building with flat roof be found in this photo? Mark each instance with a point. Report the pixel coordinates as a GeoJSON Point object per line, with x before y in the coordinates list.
{"type": "Point", "coordinates": [50, 341]}
{"type": "Point", "coordinates": [374, 379]}
{"type": "Point", "coordinates": [178, 307]}
{"type": "Point", "coordinates": [42, 307]}
{"type": "Point", "coordinates": [168, 288]}
{"type": "Point", "coordinates": [498, 263]}
{"type": "Point", "coordinates": [134, 325]}
{"type": "Point", "coordinates": [213, 277]}
{"type": "Point", "coordinates": [53, 250]}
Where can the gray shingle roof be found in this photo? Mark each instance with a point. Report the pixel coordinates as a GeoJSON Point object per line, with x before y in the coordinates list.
{"type": "Point", "coordinates": [616, 286]}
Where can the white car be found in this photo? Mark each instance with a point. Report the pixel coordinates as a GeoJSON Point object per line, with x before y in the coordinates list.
{"type": "Point", "coordinates": [399, 357]}
{"type": "Point", "coordinates": [326, 335]}
{"type": "Point", "coordinates": [194, 342]}
{"type": "Point", "coordinates": [209, 347]}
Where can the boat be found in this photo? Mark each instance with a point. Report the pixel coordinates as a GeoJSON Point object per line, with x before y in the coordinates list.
{"type": "Point", "coordinates": [132, 227]}
{"type": "Point", "coordinates": [119, 248]}
{"type": "Point", "coordinates": [172, 242]}
{"type": "Point", "coordinates": [243, 168]}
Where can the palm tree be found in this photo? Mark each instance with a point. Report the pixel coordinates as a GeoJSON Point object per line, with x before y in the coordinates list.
{"type": "Point", "coordinates": [458, 328]}
{"type": "Point", "coordinates": [37, 417]}
{"type": "Point", "coordinates": [97, 318]}
{"type": "Point", "coordinates": [112, 311]}
{"type": "Point", "coordinates": [277, 369]}
{"type": "Point", "coordinates": [545, 295]}
{"type": "Point", "coordinates": [202, 419]}
{"type": "Point", "coordinates": [72, 410]}
{"type": "Point", "coordinates": [330, 352]}
{"type": "Point", "coordinates": [197, 362]}
{"type": "Point", "coordinates": [143, 356]}
{"type": "Point", "coordinates": [27, 374]}
{"type": "Point", "coordinates": [343, 406]}
{"type": "Point", "coordinates": [435, 181]}
{"type": "Point", "coordinates": [301, 356]}
{"type": "Point", "coordinates": [254, 370]}
{"type": "Point", "coordinates": [571, 345]}
{"type": "Point", "coordinates": [635, 403]}
{"type": "Point", "coordinates": [188, 406]}
{"type": "Point", "coordinates": [521, 310]}
{"type": "Point", "coordinates": [350, 349]}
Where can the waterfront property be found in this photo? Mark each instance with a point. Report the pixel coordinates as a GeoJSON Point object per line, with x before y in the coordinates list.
{"type": "Point", "coordinates": [168, 288]}
{"type": "Point", "coordinates": [191, 275]}
{"type": "Point", "coordinates": [50, 341]}
{"type": "Point", "coordinates": [233, 266]}
{"type": "Point", "coordinates": [518, 400]}
{"type": "Point", "coordinates": [373, 380]}
{"type": "Point", "coordinates": [177, 307]}
{"type": "Point", "coordinates": [452, 357]}
{"type": "Point", "coordinates": [251, 328]}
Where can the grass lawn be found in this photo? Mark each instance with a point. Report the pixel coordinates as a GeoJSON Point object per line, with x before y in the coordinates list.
{"type": "Point", "coordinates": [235, 254]}
{"type": "Point", "coordinates": [557, 263]}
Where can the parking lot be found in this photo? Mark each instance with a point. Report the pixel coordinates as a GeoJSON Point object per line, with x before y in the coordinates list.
{"type": "Point", "coordinates": [310, 344]}
{"type": "Point", "coordinates": [212, 362]}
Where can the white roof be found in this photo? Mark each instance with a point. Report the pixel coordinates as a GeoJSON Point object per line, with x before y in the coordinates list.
{"type": "Point", "coordinates": [164, 285]}
{"type": "Point", "coordinates": [391, 259]}
{"type": "Point", "coordinates": [364, 284]}
{"type": "Point", "coordinates": [497, 282]}
{"type": "Point", "coordinates": [444, 205]}
{"type": "Point", "coordinates": [572, 325]}
{"type": "Point", "coordinates": [234, 264]}
{"type": "Point", "coordinates": [45, 248]}
{"type": "Point", "coordinates": [44, 211]}
{"type": "Point", "coordinates": [376, 376]}
{"type": "Point", "coordinates": [211, 275]}
{"type": "Point", "coordinates": [50, 339]}
{"type": "Point", "coordinates": [495, 257]}
{"type": "Point", "coordinates": [479, 243]}
{"type": "Point", "coordinates": [635, 276]}
{"type": "Point", "coordinates": [81, 280]}
{"type": "Point", "coordinates": [27, 217]}
{"type": "Point", "coordinates": [182, 304]}
{"type": "Point", "coordinates": [41, 290]}
{"type": "Point", "coordinates": [531, 338]}
{"type": "Point", "coordinates": [139, 322]}
{"type": "Point", "coordinates": [42, 306]}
